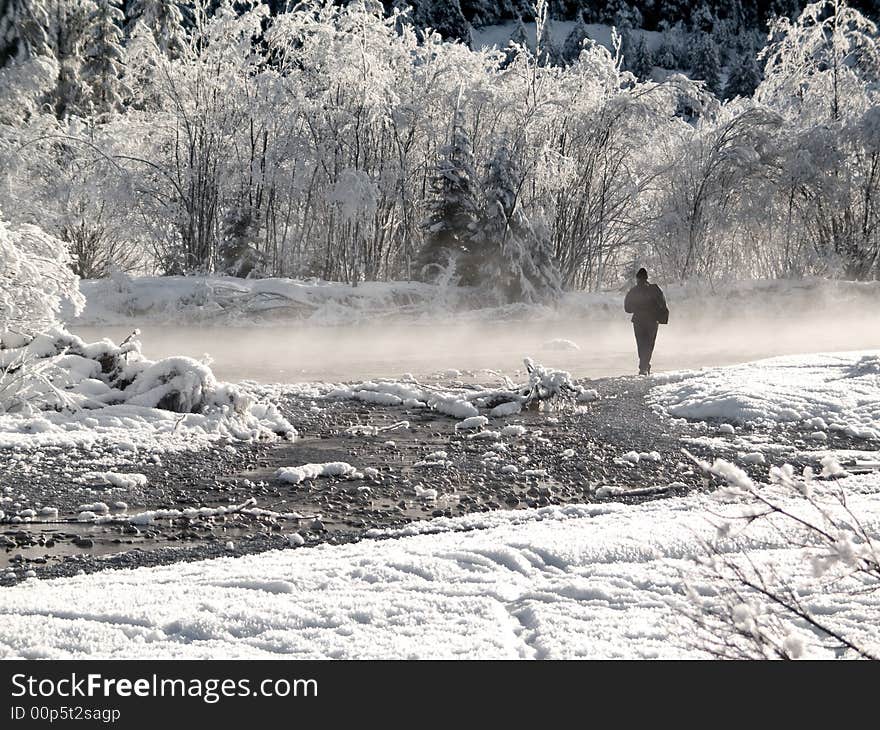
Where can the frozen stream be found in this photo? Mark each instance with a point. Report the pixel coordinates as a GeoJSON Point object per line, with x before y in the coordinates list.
{"type": "Point", "coordinates": [300, 352]}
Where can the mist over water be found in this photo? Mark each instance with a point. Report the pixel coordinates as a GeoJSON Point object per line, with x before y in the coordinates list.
{"type": "Point", "coordinates": [299, 352]}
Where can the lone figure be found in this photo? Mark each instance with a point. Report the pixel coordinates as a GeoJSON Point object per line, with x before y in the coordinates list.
{"type": "Point", "coordinates": [647, 305]}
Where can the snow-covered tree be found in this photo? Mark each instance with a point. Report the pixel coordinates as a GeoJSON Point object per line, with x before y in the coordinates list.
{"type": "Point", "coordinates": [164, 18]}
{"type": "Point", "coordinates": [831, 51]}
{"type": "Point", "coordinates": [520, 35]}
{"type": "Point", "coordinates": [574, 41]}
{"type": "Point", "coordinates": [35, 280]}
{"type": "Point", "coordinates": [452, 211]}
{"type": "Point", "coordinates": [640, 61]}
{"type": "Point", "coordinates": [744, 76]}
{"type": "Point", "coordinates": [514, 256]}
{"type": "Point", "coordinates": [443, 16]}
{"type": "Point", "coordinates": [706, 65]}
{"type": "Point", "coordinates": [518, 42]}
{"type": "Point", "coordinates": [68, 24]}
{"type": "Point", "coordinates": [822, 73]}
{"type": "Point", "coordinates": [670, 54]}
{"type": "Point", "coordinates": [548, 54]}
{"type": "Point", "coordinates": [236, 253]}
{"type": "Point", "coordinates": [104, 57]}
{"type": "Point", "coordinates": [23, 30]}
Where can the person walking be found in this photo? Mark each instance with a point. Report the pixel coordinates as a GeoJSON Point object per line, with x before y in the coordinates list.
{"type": "Point", "coordinates": [647, 305]}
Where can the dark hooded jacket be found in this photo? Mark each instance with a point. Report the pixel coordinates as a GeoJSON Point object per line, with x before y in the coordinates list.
{"type": "Point", "coordinates": [646, 303]}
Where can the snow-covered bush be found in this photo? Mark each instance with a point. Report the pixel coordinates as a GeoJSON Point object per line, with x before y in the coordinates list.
{"type": "Point", "coordinates": [65, 373]}
{"type": "Point", "coordinates": [35, 279]}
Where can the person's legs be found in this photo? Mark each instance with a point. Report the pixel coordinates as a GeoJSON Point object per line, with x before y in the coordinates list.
{"type": "Point", "coordinates": [641, 343]}
{"type": "Point", "coordinates": [650, 340]}
{"type": "Point", "coordinates": [646, 336]}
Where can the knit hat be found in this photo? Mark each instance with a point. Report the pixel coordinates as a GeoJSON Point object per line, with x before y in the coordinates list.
{"type": "Point", "coordinates": [642, 274]}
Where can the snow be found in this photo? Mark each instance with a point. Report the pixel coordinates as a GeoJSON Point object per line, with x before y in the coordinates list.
{"type": "Point", "coordinates": [114, 479]}
{"type": "Point", "coordinates": [453, 406]}
{"type": "Point", "coordinates": [200, 300]}
{"type": "Point", "coordinates": [472, 423]}
{"type": "Point", "coordinates": [593, 581]}
{"type": "Point", "coordinates": [588, 395]}
{"type": "Point", "coordinates": [836, 388]}
{"type": "Point", "coordinates": [231, 300]}
{"type": "Point", "coordinates": [299, 474]}
{"type": "Point", "coordinates": [504, 410]}
{"type": "Point", "coordinates": [601, 580]}
{"type": "Point", "coordinates": [131, 428]}
{"type": "Point", "coordinates": [77, 393]}
{"type": "Point", "coordinates": [561, 344]}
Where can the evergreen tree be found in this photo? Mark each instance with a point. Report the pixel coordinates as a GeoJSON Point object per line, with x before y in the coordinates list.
{"type": "Point", "coordinates": [625, 19]}
{"type": "Point", "coordinates": [520, 35]}
{"type": "Point", "coordinates": [103, 66]}
{"type": "Point", "coordinates": [511, 253]}
{"type": "Point", "coordinates": [745, 75]}
{"type": "Point", "coordinates": [519, 42]}
{"type": "Point", "coordinates": [705, 65]}
{"type": "Point", "coordinates": [23, 30]}
{"type": "Point", "coordinates": [68, 23]}
{"type": "Point", "coordinates": [237, 256]}
{"type": "Point", "coordinates": [445, 17]}
{"type": "Point", "coordinates": [164, 19]}
{"type": "Point", "coordinates": [574, 42]}
{"type": "Point", "coordinates": [452, 211]}
{"type": "Point", "coordinates": [669, 51]}
{"type": "Point", "coordinates": [703, 20]}
{"type": "Point", "coordinates": [548, 53]}
{"type": "Point", "coordinates": [641, 62]}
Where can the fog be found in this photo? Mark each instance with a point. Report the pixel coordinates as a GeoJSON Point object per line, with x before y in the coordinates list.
{"type": "Point", "coordinates": [299, 352]}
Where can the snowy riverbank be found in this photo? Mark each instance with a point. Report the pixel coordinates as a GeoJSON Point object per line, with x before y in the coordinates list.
{"type": "Point", "coordinates": [602, 578]}
{"type": "Point", "coordinates": [136, 301]}
{"type": "Point", "coordinates": [590, 581]}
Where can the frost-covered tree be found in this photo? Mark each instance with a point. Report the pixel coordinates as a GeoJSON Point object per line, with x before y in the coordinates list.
{"type": "Point", "coordinates": [698, 203]}
{"type": "Point", "coordinates": [513, 254]}
{"type": "Point", "coordinates": [830, 51]}
{"type": "Point", "coordinates": [744, 75]}
{"type": "Point", "coordinates": [443, 16]}
{"type": "Point", "coordinates": [706, 65]}
{"type": "Point", "coordinates": [23, 30]}
{"type": "Point", "coordinates": [104, 57]}
{"type": "Point", "coordinates": [35, 280]}
{"type": "Point", "coordinates": [574, 41]}
{"type": "Point", "coordinates": [164, 18]}
{"type": "Point", "coordinates": [452, 211]}
{"type": "Point", "coordinates": [822, 73]}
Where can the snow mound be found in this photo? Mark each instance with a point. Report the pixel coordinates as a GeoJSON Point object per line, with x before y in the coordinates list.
{"type": "Point", "coordinates": [561, 344]}
{"type": "Point", "coordinates": [841, 390]}
{"type": "Point", "coordinates": [113, 479]}
{"type": "Point", "coordinates": [74, 392]}
{"type": "Point", "coordinates": [299, 474]}
{"type": "Point", "coordinates": [464, 403]}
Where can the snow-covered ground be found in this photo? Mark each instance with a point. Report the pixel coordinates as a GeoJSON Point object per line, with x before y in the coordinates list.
{"type": "Point", "coordinates": [591, 581]}
{"type": "Point", "coordinates": [594, 580]}
{"type": "Point", "coordinates": [222, 300]}
{"type": "Point", "coordinates": [833, 392]}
